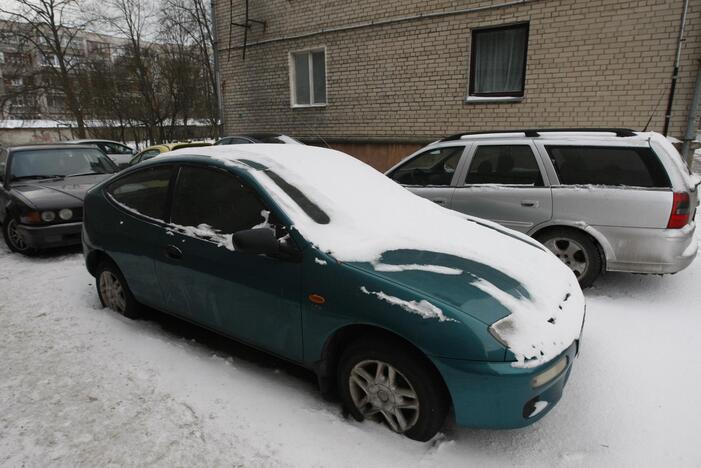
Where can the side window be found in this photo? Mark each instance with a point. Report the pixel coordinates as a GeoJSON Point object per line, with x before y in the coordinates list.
{"type": "Point", "coordinates": [504, 165]}
{"type": "Point", "coordinates": [146, 155]}
{"type": "Point", "coordinates": [3, 164]}
{"type": "Point", "coordinates": [145, 191]}
{"type": "Point", "coordinates": [434, 167]}
{"type": "Point", "coordinates": [597, 165]}
{"type": "Point", "coordinates": [217, 199]}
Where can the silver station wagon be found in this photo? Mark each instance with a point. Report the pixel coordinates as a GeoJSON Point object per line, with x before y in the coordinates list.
{"type": "Point", "coordinates": [599, 199]}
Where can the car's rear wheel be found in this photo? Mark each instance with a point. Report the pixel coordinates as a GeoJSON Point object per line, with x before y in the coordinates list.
{"type": "Point", "coordinates": [577, 251]}
{"type": "Point", "coordinates": [382, 380]}
{"type": "Point", "coordinates": [114, 292]}
{"type": "Point", "coordinates": [13, 239]}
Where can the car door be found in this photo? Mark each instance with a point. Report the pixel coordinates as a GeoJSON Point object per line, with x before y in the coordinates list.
{"type": "Point", "coordinates": [135, 236]}
{"type": "Point", "coordinates": [431, 174]}
{"type": "Point", "coordinates": [504, 182]}
{"type": "Point", "coordinates": [253, 298]}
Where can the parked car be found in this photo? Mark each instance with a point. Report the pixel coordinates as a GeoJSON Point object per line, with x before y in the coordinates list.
{"type": "Point", "coordinates": [599, 199]}
{"type": "Point", "coordinates": [258, 138]}
{"type": "Point", "coordinates": [404, 307]}
{"type": "Point", "coordinates": [153, 151]}
{"type": "Point", "coordinates": [119, 154]}
{"type": "Point", "coordinates": [41, 196]}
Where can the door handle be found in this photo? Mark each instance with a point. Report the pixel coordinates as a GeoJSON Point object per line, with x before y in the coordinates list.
{"type": "Point", "coordinates": [173, 252]}
{"type": "Point", "coordinates": [530, 203]}
{"type": "Point", "coordinates": [439, 201]}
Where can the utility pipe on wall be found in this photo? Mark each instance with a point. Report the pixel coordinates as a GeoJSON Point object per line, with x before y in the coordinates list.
{"type": "Point", "coordinates": [691, 127]}
{"type": "Point", "coordinates": [675, 72]}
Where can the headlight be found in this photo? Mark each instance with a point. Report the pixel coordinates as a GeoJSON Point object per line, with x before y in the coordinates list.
{"type": "Point", "coordinates": [65, 214]}
{"type": "Point", "coordinates": [545, 377]}
{"type": "Point", "coordinates": [48, 216]}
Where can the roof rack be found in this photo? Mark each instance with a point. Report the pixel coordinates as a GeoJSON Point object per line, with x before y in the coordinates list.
{"type": "Point", "coordinates": [535, 132]}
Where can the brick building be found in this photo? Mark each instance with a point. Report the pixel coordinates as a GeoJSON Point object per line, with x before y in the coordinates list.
{"type": "Point", "coordinates": [380, 78]}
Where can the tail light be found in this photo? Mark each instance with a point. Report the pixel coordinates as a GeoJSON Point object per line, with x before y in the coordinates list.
{"type": "Point", "coordinates": [681, 209]}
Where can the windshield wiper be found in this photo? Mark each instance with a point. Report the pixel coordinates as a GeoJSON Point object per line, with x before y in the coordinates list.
{"type": "Point", "coordinates": [58, 176]}
{"type": "Point", "coordinates": [85, 173]}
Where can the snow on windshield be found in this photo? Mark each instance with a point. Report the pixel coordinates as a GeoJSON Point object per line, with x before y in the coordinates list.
{"type": "Point", "coordinates": [369, 214]}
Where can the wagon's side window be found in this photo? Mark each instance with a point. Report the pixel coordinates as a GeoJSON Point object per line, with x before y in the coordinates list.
{"type": "Point", "coordinates": [216, 199]}
{"type": "Point", "coordinates": [504, 165]}
{"type": "Point", "coordinates": [434, 167]}
{"type": "Point", "coordinates": [612, 166]}
{"type": "Point", "coordinates": [145, 192]}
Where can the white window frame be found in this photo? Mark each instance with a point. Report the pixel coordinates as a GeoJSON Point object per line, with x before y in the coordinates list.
{"type": "Point", "coordinates": [16, 82]}
{"type": "Point", "coordinates": [291, 68]}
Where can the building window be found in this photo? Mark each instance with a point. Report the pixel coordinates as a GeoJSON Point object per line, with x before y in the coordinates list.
{"type": "Point", "coordinates": [498, 61]}
{"type": "Point", "coordinates": [16, 82]}
{"type": "Point", "coordinates": [308, 77]}
{"type": "Point", "coordinates": [2, 57]}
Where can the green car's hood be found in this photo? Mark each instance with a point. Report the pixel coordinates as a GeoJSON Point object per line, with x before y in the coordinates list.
{"type": "Point", "coordinates": [448, 279]}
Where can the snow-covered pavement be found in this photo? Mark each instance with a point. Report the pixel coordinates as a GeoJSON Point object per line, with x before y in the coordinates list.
{"type": "Point", "coordinates": [80, 385]}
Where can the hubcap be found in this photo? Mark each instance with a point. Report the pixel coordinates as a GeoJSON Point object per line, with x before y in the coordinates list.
{"type": "Point", "coordinates": [381, 392]}
{"type": "Point", "coordinates": [571, 253]}
{"type": "Point", "coordinates": [112, 292]}
{"type": "Point", "coordinates": [14, 236]}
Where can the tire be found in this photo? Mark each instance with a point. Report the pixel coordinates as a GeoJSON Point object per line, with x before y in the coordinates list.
{"type": "Point", "coordinates": [114, 292]}
{"type": "Point", "coordinates": [576, 250]}
{"type": "Point", "coordinates": [12, 238]}
{"type": "Point", "coordinates": [377, 375]}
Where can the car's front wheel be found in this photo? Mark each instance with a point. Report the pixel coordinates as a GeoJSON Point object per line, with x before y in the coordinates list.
{"type": "Point", "coordinates": [114, 292]}
{"type": "Point", "coordinates": [384, 381]}
{"type": "Point", "coordinates": [12, 237]}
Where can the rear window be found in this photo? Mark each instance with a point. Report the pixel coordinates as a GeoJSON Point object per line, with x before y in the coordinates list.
{"type": "Point", "coordinates": [600, 165]}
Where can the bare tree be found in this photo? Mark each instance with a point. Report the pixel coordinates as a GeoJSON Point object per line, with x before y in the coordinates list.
{"type": "Point", "coordinates": [193, 17]}
{"type": "Point", "coordinates": [44, 24]}
{"type": "Point", "coordinates": [132, 19]}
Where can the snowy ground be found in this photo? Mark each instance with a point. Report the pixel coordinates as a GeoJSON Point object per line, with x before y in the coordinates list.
{"type": "Point", "coordinates": [79, 385]}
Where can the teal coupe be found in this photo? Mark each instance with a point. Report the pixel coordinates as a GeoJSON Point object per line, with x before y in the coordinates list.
{"type": "Point", "coordinates": [402, 308]}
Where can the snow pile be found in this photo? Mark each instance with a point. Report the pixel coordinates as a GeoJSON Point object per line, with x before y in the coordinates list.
{"type": "Point", "coordinates": [371, 214]}
{"type": "Point", "coordinates": [423, 308]}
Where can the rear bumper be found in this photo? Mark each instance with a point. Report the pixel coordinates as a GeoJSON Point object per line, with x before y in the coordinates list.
{"type": "Point", "coordinates": [51, 236]}
{"type": "Point", "coordinates": [499, 396]}
{"type": "Point", "coordinates": [657, 251]}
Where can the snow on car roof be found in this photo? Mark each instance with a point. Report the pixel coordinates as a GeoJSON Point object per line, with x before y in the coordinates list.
{"type": "Point", "coordinates": [370, 214]}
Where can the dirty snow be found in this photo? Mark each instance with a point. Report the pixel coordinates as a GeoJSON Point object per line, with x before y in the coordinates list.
{"type": "Point", "coordinates": [423, 308]}
{"type": "Point", "coordinates": [370, 214]}
{"type": "Point", "coordinates": [81, 386]}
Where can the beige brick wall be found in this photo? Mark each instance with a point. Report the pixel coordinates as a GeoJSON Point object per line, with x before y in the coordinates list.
{"type": "Point", "coordinates": [590, 63]}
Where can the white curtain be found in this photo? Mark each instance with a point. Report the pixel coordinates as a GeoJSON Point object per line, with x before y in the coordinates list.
{"type": "Point", "coordinates": [499, 59]}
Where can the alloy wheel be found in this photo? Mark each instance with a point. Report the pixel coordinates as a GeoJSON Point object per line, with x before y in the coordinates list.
{"type": "Point", "coordinates": [380, 392]}
{"type": "Point", "coordinates": [14, 236]}
{"type": "Point", "coordinates": [112, 292]}
{"type": "Point", "coordinates": [571, 253]}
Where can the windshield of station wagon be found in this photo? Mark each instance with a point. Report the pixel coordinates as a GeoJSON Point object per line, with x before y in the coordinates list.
{"type": "Point", "coordinates": [62, 162]}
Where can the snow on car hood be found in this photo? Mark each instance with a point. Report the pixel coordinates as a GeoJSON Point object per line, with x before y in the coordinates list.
{"type": "Point", "coordinates": [370, 214]}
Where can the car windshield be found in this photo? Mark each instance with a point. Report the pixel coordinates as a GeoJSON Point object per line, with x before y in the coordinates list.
{"type": "Point", "coordinates": [59, 162]}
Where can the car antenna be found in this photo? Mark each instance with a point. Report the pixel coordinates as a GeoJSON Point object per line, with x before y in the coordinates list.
{"type": "Point", "coordinates": [657, 106]}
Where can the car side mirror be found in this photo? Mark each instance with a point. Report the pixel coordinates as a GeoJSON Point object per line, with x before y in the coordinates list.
{"type": "Point", "coordinates": [257, 241]}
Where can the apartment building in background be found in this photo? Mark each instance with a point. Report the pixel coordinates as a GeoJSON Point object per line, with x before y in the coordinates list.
{"type": "Point", "coordinates": [378, 79]}
{"type": "Point", "coordinates": [26, 91]}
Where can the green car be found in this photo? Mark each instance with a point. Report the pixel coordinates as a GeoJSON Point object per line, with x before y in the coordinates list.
{"type": "Point", "coordinates": [401, 307]}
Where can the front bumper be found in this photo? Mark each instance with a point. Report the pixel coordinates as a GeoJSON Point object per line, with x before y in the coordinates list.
{"type": "Point", "coordinates": [55, 235]}
{"type": "Point", "coordinates": [499, 396]}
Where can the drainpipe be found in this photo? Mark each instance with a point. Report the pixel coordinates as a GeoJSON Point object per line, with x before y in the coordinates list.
{"type": "Point", "coordinates": [675, 72]}
{"type": "Point", "coordinates": [691, 127]}
{"type": "Point", "coordinates": [217, 76]}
